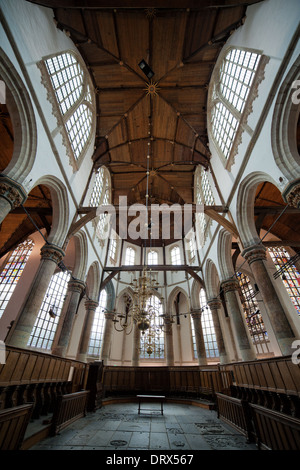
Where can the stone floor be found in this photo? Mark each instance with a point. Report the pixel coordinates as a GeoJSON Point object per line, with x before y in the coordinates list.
{"type": "Point", "coordinates": [119, 427]}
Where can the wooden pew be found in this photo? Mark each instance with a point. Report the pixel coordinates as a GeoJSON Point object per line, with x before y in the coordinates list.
{"type": "Point", "coordinates": [13, 424]}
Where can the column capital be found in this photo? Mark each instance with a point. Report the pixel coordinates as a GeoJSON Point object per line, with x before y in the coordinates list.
{"type": "Point", "coordinates": [230, 285]}
{"type": "Point", "coordinates": [291, 194]}
{"type": "Point", "coordinates": [196, 314]}
{"type": "Point", "coordinates": [12, 191]}
{"type": "Point", "coordinates": [76, 285]}
{"type": "Point", "coordinates": [255, 253]}
{"type": "Point", "coordinates": [91, 304]}
{"type": "Point", "coordinates": [214, 304]}
{"type": "Point", "coordinates": [52, 252]}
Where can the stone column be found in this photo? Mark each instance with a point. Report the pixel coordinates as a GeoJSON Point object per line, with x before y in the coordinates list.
{"type": "Point", "coordinates": [51, 256]}
{"type": "Point", "coordinates": [75, 290]}
{"type": "Point", "coordinates": [169, 341]}
{"type": "Point", "coordinates": [215, 306]}
{"type": "Point", "coordinates": [108, 328]}
{"type": "Point", "coordinates": [201, 352]}
{"type": "Point", "coordinates": [256, 257]}
{"type": "Point", "coordinates": [91, 307]}
{"type": "Point", "coordinates": [136, 346]}
{"type": "Point", "coordinates": [244, 342]}
{"type": "Point", "coordinates": [12, 194]}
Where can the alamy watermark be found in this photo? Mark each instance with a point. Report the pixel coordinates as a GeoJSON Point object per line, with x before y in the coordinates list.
{"type": "Point", "coordinates": [148, 222]}
{"type": "Point", "coordinates": [296, 94]}
{"type": "Point", "coordinates": [2, 92]}
{"type": "Point", "coordinates": [296, 353]}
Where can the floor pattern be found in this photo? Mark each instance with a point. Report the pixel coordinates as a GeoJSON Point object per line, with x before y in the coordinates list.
{"type": "Point", "coordinates": [119, 427]}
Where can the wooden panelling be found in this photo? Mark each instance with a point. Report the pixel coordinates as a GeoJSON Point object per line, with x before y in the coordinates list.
{"type": "Point", "coordinates": [68, 409]}
{"type": "Point", "coordinates": [13, 424]}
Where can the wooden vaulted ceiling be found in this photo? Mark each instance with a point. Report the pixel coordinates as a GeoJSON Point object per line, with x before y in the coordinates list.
{"type": "Point", "coordinates": [181, 41]}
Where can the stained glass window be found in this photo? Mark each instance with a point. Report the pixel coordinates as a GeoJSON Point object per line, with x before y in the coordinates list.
{"type": "Point", "coordinates": [253, 315]}
{"type": "Point", "coordinates": [98, 326]}
{"type": "Point", "coordinates": [290, 274]}
{"type": "Point", "coordinates": [12, 272]}
{"type": "Point", "coordinates": [44, 329]}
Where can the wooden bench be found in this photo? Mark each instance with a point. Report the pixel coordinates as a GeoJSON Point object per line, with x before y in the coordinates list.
{"type": "Point", "coordinates": [151, 398]}
{"type": "Point", "coordinates": [13, 424]}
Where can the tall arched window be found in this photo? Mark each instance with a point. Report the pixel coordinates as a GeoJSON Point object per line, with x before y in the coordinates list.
{"type": "Point", "coordinates": [101, 196]}
{"type": "Point", "coordinates": [12, 272]}
{"type": "Point", "coordinates": [44, 329]}
{"type": "Point", "coordinates": [231, 93]}
{"type": "Point", "coordinates": [175, 255]}
{"type": "Point", "coordinates": [208, 328]}
{"type": "Point", "coordinates": [98, 326]}
{"type": "Point", "coordinates": [203, 196]}
{"type": "Point", "coordinates": [253, 316]}
{"type": "Point", "coordinates": [152, 342]}
{"type": "Point", "coordinates": [290, 275]}
{"type": "Point", "coordinates": [129, 256]}
{"type": "Point", "coordinates": [152, 257]}
{"type": "Point", "coordinates": [69, 89]}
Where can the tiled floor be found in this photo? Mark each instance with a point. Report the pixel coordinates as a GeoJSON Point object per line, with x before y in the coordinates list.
{"type": "Point", "coordinates": [119, 427]}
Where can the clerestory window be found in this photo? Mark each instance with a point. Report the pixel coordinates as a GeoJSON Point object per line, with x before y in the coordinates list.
{"type": "Point", "coordinates": [231, 95]}
{"type": "Point", "coordinates": [69, 89]}
{"type": "Point", "coordinates": [96, 337]}
{"type": "Point", "coordinates": [203, 196]}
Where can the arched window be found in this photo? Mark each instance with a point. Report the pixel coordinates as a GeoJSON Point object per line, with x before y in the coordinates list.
{"type": "Point", "coordinates": [203, 196]}
{"type": "Point", "coordinates": [253, 316]}
{"type": "Point", "coordinates": [44, 329]}
{"type": "Point", "coordinates": [152, 257]}
{"type": "Point", "coordinates": [208, 328]}
{"type": "Point", "coordinates": [230, 98]}
{"type": "Point", "coordinates": [12, 272]}
{"type": "Point", "coordinates": [69, 84]}
{"type": "Point", "coordinates": [152, 342]}
{"type": "Point", "coordinates": [175, 255]}
{"type": "Point", "coordinates": [290, 275]}
{"type": "Point", "coordinates": [101, 196]}
{"type": "Point", "coordinates": [98, 326]}
{"type": "Point", "coordinates": [113, 249]}
{"type": "Point", "coordinates": [130, 256]}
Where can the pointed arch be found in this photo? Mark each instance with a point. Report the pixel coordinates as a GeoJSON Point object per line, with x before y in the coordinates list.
{"type": "Point", "coordinates": [212, 280]}
{"type": "Point", "coordinates": [245, 207]}
{"type": "Point", "coordinates": [224, 255]}
{"type": "Point", "coordinates": [174, 293]}
{"type": "Point", "coordinates": [24, 124]}
{"type": "Point", "coordinates": [81, 252]}
{"type": "Point", "coordinates": [93, 281]}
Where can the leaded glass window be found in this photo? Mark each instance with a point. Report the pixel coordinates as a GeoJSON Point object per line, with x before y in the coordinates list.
{"type": "Point", "coordinates": [45, 326]}
{"type": "Point", "coordinates": [96, 337]}
{"type": "Point", "coordinates": [253, 315]}
{"type": "Point", "coordinates": [152, 341]}
{"type": "Point", "coordinates": [175, 256]}
{"type": "Point", "coordinates": [290, 274]}
{"type": "Point", "coordinates": [130, 256]}
{"type": "Point", "coordinates": [12, 272]}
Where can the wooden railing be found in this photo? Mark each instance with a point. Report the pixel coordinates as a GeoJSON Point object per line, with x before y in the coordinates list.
{"type": "Point", "coordinates": [68, 409]}
{"type": "Point", "coordinates": [236, 413]}
{"type": "Point", "coordinates": [275, 430]}
{"type": "Point", "coordinates": [13, 424]}
{"type": "Point", "coordinates": [272, 430]}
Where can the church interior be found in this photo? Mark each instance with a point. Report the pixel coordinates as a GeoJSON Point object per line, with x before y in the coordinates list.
{"type": "Point", "coordinates": [150, 216]}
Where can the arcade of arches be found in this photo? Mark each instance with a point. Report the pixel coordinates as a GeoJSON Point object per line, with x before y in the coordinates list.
{"type": "Point", "coordinates": [162, 138]}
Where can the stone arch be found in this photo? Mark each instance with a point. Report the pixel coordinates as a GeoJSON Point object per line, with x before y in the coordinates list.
{"type": "Point", "coordinates": [284, 124]}
{"type": "Point", "coordinates": [24, 124]}
{"type": "Point", "coordinates": [245, 207]}
{"type": "Point", "coordinates": [211, 280]}
{"type": "Point", "coordinates": [93, 281]}
{"type": "Point", "coordinates": [195, 295]}
{"type": "Point", "coordinates": [224, 255]}
{"type": "Point", "coordinates": [172, 297]}
{"type": "Point", "coordinates": [60, 211]}
{"type": "Point", "coordinates": [81, 252]}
